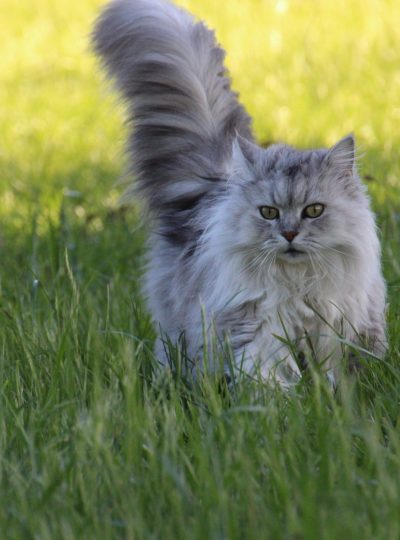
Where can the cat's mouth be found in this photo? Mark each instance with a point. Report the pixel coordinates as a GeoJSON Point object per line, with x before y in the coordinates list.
{"type": "Point", "coordinates": [293, 252]}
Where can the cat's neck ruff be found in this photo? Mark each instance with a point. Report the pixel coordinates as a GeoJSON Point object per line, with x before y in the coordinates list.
{"type": "Point", "coordinates": [281, 283]}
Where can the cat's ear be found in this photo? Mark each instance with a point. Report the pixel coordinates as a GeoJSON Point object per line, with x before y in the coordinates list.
{"type": "Point", "coordinates": [245, 150]}
{"type": "Point", "coordinates": [244, 156]}
{"type": "Point", "coordinates": [340, 159]}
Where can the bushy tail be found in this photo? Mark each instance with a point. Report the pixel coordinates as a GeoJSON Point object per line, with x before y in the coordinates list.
{"type": "Point", "coordinates": [170, 71]}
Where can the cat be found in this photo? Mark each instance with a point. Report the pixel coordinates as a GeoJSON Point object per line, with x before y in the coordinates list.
{"type": "Point", "coordinates": [261, 243]}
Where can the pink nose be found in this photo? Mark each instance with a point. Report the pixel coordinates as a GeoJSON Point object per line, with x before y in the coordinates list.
{"type": "Point", "coordinates": [289, 235]}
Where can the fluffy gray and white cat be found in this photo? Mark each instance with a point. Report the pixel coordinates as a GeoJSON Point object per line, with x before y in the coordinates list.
{"type": "Point", "coordinates": [264, 242]}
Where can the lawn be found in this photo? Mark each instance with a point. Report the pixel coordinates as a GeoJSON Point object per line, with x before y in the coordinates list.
{"type": "Point", "coordinates": [91, 446]}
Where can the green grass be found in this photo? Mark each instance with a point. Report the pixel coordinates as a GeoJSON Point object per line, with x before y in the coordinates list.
{"type": "Point", "coordinates": [89, 446]}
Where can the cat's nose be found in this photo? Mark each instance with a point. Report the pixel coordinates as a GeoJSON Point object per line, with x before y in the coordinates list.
{"type": "Point", "coordinates": [289, 235]}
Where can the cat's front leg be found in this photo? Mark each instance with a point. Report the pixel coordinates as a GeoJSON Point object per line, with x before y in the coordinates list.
{"type": "Point", "coordinates": [267, 358]}
{"type": "Point", "coordinates": [339, 353]}
{"type": "Point", "coordinates": [371, 343]}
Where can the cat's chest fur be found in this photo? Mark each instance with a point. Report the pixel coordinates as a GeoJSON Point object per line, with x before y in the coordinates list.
{"type": "Point", "coordinates": [291, 314]}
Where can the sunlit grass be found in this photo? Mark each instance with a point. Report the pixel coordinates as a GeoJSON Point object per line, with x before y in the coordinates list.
{"type": "Point", "coordinates": [89, 447]}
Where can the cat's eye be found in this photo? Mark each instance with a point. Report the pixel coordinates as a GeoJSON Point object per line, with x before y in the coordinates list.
{"type": "Point", "coordinates": [269, 212]}
{"type": "Point", "coordinates": [313, 210]}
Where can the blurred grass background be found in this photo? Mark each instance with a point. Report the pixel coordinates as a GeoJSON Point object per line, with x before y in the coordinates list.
{"type": "Point", "coordinates": [87, 448]}
{"type": "Point", "coordinates": [309, 72]}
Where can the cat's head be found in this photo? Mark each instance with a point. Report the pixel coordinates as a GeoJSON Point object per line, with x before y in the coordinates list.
{"type": "Point", "coordinates": [296, 207]}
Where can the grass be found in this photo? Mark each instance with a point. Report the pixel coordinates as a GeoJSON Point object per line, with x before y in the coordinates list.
{"type": "Point", "coordinates": [89, 446]}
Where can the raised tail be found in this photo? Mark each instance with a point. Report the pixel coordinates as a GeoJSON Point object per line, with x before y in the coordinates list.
{"type": "Point", "coordinates": [185, 116]}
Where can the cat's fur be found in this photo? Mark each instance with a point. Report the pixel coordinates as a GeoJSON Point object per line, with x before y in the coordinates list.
{"type": "Point", "coordinates": [204, 180]}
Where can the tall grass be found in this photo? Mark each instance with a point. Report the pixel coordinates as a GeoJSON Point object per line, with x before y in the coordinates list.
{"type": "Point", "coordinates": [91, 444]}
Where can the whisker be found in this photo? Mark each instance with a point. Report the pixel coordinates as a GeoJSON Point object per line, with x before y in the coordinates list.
{"type": "Point", "coordinates": [320, 247]}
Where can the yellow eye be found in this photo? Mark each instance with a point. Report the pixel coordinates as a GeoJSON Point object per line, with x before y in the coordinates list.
{"type": "Point", "coordinates": [269, 212]}
{"type": "Point", "coordinates": [313, 210]}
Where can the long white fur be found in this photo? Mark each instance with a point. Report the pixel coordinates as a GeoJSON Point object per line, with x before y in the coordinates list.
{"type": "Point", "coordinates": [212, 253]}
